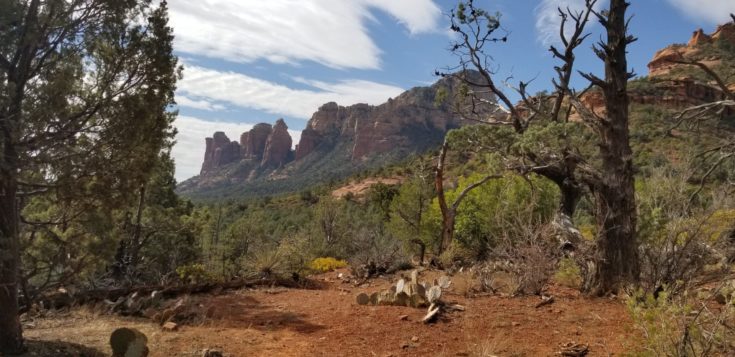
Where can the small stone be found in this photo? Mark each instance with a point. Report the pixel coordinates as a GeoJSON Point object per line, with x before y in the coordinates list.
{"type": "Point", "coordinates": [170, 326]}
{"type": "Point", "coordinates": [515, 323]}
{"type": "Point", "coordinates": [415, 339]}
{"type": "Point", "coordinates": [405, 345]}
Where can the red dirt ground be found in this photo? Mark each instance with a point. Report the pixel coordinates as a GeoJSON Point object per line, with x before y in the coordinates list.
{"type": "Point", "coordinates": [328, 322]}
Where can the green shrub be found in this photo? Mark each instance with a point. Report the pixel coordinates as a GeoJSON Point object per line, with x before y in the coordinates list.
{"type": "Point", "coordinates": [195, 274]}
{"type": "Point", "coordinates": [671, 326]}
{"type": "Point", "coordinates": [568, 273]}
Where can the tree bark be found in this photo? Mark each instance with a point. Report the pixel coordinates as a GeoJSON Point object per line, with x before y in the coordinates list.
{"type": "Point", "coordinates": [137, 232]}
{"type": "Point", "coordinates": [11, 338]}
{"type": "Point", "coordinates": [616, 260]}
{"type": "Point", "coordinates": [447, 217]}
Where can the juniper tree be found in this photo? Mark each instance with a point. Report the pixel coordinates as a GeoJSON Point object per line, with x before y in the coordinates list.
{"type": "Point", "coordinates": [85, 87]}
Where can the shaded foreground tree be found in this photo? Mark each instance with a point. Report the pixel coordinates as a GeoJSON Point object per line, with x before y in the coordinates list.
{"type": "Point", "coordinates": [536, 136]}
{"type": "Point", "coordinates": [84, 90]}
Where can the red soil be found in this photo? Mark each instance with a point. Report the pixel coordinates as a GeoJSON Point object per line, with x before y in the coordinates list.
{"type": "Point", "coordinates": [328, 322]}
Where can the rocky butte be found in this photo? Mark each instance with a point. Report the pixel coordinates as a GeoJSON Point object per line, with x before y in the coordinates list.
{"type": "Point", "coordinates": [674, 85]}
{"type": "Point", "coordinates": [337, 141]}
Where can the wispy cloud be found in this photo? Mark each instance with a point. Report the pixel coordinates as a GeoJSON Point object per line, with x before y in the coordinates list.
{"type": "Point", "coordinates": [201, 104]}
{"type": "Point", "coordinates": [548, 19]}
{"type": "Point", "coordinates": [709, 11]}
{"type": "Point", "coordinates": [248, 92]}
{"type": "Point", "coordinates": [188, 153]}
{"type": "Point", "coordinates": [330, 32]}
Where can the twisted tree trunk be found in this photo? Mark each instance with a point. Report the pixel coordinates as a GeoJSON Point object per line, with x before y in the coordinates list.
{"type": "Point", "coordinates": [616, 260]}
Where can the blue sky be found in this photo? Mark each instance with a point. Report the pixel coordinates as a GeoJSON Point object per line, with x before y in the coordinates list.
{"type": "Point", "coordinates": [251, 61]}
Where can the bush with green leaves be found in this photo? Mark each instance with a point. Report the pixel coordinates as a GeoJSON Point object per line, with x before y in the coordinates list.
{"type": "Point", "coordinates": [491, 211]}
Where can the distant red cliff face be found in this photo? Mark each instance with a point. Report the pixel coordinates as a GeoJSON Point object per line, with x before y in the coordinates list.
{"type": "Point", "coordinates": [662, 64]}
{"type": "Point", "coordinates": [220, 151]}
{"type": "Point", "coordinates": [671, 84]}
{"type": "Point", "coordinates": [268, 145]}
{"type": "Point", "coordinates": [338, 138]}
{"type": "Point", "coordinates": [372, 130]}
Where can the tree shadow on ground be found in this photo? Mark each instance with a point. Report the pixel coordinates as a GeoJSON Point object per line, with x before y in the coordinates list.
{"type": "Point", "coordinates": [38, 348]}
{"type": "Point", "coordinates": [238, 311]}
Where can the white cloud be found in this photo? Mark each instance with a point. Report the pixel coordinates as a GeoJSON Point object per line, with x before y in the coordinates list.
{"type": "Point", "coordinates": [188, 153]}
{"type": "Point", "coordinates": [548, 19]}
{"type": "Point", "coordinates": [248, 92]}
{"type": "Point", "coordinates": [202, 104]}
{"type": "Point", "coordinates": [330, 32]}
{"type": "Point", "coordinates": [710, 11]}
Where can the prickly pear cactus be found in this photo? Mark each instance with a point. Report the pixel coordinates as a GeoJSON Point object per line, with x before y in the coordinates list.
{"type": "Point", "coordinates": [434, 294]}
{"type": "Point", "coordinates": [444, 282]}
{"type": "Point", "coordinates": [402, 299]}
{"type": "Point", "coordinates": [363, 299]}
{"type": "Point", "coordinates": [400, 285]}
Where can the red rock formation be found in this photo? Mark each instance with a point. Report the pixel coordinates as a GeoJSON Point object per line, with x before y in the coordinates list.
{"type": "Point", "coordinates": [278, 146]}
{"type": "Point", "coordinates": [725, 33]}
{"type": "Point", "coordinates": [698, 38]}
{"type": "Point", "coordinates": [310, 139]}
{"type": "Point", "coordinates": [253, 141]}
{"type": "Point", "coordinates": [677, 94]}
{"type": "Point", "coordinates": [220, 151]}
{"type": "Point", "coordinates": [661, 63]}
{"type": "Point", "coordinates": [410, 122]}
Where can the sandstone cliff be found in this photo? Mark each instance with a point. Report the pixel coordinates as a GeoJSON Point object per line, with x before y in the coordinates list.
{"type": "Point", "coordinates": [675, 85]}
{"type": "Point", "coordinates": [410, 122]}
{"type": "Point", "coordinates": [337, 142]}
{"type": "Point", "coordinates": [219, 151]}
{"type": "Point", "coordinates": [253, 141]}
{"type": "Point", "coordinates": [277, 150]}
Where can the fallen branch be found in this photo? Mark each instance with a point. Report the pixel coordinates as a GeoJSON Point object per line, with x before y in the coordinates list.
{"type": "Point", "coordinates": [63, 299]}
{"type": "Point", "coordinates": [545, 300]}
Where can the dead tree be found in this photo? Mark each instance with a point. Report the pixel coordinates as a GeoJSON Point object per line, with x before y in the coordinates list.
{"type": "Point", "coordinates": [449, 212]}
{"type": "Point", "coordinates": [615, 260]}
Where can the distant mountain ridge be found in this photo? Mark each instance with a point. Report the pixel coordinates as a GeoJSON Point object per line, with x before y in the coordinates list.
{"type": "Point", "coordinates": [338, 141]}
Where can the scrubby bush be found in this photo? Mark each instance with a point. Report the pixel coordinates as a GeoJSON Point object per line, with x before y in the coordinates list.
{"type": "Point", "coordinates": [528, 255]}
{"type": "Point", "coordinates": [195, 274]}
{"type": "Point", "coordinates": [568, 273]}
{"type": "Point", "coordinates": [678, 232]}
{"type": "Point", "coordinates": [673, 326]}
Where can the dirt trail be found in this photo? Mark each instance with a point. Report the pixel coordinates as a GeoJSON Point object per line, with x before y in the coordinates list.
{"type": "Point", "coordinates": [328, 322]}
